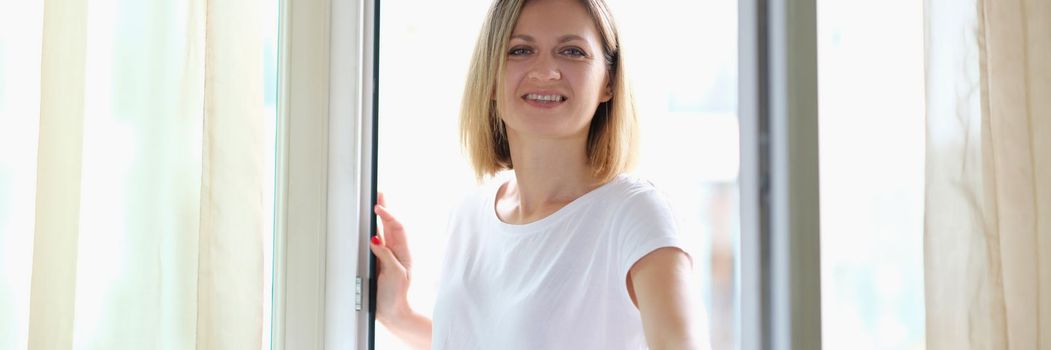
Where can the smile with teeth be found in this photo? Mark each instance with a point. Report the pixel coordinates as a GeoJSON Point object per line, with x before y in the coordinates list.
{"type": "Point", "coordinates": [545, 98]}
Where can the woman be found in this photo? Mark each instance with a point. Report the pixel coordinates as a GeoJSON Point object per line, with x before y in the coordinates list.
{"type": "Point", "coordinates": [569, 253]}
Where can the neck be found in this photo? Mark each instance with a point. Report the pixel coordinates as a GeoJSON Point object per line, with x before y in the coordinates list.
{"type": "Point", "coordinates": [549, 173]}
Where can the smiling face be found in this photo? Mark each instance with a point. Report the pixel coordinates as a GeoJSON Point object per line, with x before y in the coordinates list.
{"type": "Point", "coordinates": [555, 75]}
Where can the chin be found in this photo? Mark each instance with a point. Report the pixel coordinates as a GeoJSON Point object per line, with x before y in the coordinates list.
{"type": "Point", "coordinates": [551, 130]}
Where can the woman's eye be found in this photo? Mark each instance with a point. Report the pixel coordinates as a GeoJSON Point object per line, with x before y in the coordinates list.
{"type": "Point", "coordinates": [519, 51]}
{"type": "Point", "coordinates": [575, 52]}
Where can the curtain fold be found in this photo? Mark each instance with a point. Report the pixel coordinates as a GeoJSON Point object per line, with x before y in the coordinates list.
{"type": "Point", "coordinates": [1016, 100]}
{"type": "Point", "coordinates": [58, 175]}
{"type": "Point", "coordinates": [147, 226]}
{"type": "Point", "coordinates": [230, 290]}
{"type": "Point", "coordinates": [988, 200]}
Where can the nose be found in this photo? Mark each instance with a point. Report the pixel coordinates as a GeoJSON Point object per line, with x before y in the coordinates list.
{"type": "Point", "coordinates": [544, 69]}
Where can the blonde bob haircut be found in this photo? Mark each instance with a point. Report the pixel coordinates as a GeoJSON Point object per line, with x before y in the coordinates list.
{"type": "Point", "coordinates": [611, 142]}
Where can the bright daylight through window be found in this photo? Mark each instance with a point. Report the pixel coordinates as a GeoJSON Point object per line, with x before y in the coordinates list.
{"type": "Point", "coordinates": [871, 121]}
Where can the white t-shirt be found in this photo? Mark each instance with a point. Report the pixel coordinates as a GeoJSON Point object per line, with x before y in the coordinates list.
{"type": "Point", "coordinates": [556, 283]}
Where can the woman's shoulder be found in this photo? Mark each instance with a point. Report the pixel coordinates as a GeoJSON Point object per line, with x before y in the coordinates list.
{"type": "Point", "coordinates": [631, 187]}
{"type": "Point", "coordinates": [630, 194]}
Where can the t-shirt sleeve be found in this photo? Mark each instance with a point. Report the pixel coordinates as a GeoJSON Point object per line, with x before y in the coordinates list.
{"type": "Point", "coordinates": [645, 223]}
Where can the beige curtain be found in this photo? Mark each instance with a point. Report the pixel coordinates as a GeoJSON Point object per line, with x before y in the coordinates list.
{"type": "Point", "coordinates": [141, 225]}
{"type": "Point", "coordinates": [988, 201]}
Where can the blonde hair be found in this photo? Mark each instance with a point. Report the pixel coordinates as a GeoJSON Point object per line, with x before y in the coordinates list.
{"type": "Point", "coordinates": [612, 135]}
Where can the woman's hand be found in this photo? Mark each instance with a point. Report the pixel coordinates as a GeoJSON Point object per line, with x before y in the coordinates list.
{"type": "Point", "coordinates": [394, 275]}
{"type": "Point", "coordinates": [394, 266]}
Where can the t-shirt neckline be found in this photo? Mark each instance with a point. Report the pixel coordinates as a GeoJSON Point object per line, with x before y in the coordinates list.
{"type": "Point", "coordinates": [547, 221]}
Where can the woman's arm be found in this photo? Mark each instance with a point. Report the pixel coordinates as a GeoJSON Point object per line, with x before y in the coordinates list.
{"type": "Point", "coordinates": [412, 328]}
{"type": "Point", "coordinates": [659, 284]}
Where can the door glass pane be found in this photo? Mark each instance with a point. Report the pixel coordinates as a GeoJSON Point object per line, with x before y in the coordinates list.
{"type": "Point", "coordinates": [423, 62]}
{"type": "Point", "coordinates": [682, 61]}
{"type": "Point", "coordinates": [871, 121]}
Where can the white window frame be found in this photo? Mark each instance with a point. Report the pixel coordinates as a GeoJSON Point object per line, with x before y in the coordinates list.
{"type": "Point", "coordinates": [320, 212]}
{"type": "Point", "coordinates": [324, 174]}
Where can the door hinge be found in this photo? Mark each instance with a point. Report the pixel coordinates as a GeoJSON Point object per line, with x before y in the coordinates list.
{"type": "Point", "coordinates": [357, 293]}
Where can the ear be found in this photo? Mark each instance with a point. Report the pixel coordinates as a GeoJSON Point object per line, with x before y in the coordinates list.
{"type": "Point", "coordinates": [607, 93]}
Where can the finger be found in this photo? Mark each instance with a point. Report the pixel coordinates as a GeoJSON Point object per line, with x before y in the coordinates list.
{"type": "Point", "coordinates": [399, 251]}
{"type": "Point", "coordinates": [393, 230]}
{"type": "Point", "coordinates": [390, 223]}
{"type": "Point", "coordinates": [386, 257]}
{"type": "Point", "coordinates": [394, 234]}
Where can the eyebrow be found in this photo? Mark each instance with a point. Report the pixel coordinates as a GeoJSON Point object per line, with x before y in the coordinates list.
{"type": "Point", "coordinates": [561, 39]}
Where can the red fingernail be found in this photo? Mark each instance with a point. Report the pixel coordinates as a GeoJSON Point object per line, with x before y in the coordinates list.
{"type": "Point", "coordinates": [376, 240]}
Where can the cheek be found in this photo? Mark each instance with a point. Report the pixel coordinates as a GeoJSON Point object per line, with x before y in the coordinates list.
{"type": "Point", "coordinates": [600, 78]}
{"type": "Point", "coordinates": [510, 80]}
{"type": "Point", "coordinates": [590, 82]}
{"type": "Point", "coordinates": [505, 94]}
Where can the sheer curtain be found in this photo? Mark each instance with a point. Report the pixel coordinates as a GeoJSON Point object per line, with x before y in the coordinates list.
{"type": "Point", "coordinates": [132, 175]}
{"type": "Point", "coordinates": [988, 201]}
